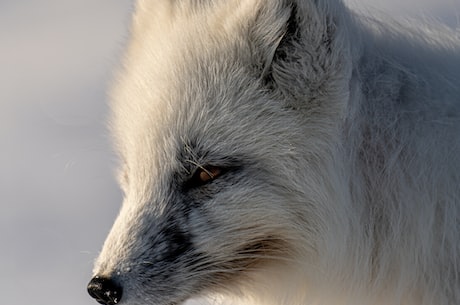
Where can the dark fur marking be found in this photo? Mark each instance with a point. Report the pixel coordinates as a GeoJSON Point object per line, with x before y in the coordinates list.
{"type": "Point", "coordinates": [179, 242]}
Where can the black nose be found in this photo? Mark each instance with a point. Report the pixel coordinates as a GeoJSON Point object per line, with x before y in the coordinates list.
{"type": "Point", "coordinates": [104, 290]}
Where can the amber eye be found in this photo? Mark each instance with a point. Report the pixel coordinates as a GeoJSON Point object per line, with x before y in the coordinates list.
{"type": "Point", "coordinates": [209, 173]}
{"type": "Point", "coordinates": [204, 175]}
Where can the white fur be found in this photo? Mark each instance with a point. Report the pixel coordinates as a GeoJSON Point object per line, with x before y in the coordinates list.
{"type": "Point", "coordinates": [346, 131]}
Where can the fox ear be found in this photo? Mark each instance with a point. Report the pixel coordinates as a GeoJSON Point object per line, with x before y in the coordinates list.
{"type": "Point", "coordinates": [305, 51]}
{"type": "Point", "coordinates": [285, 32]}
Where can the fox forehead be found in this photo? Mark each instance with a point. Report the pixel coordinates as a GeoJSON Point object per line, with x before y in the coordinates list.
{"type": "Point", "coordinates": [161, 96]}
{"type": "Point", "coordinates": [186, 54]}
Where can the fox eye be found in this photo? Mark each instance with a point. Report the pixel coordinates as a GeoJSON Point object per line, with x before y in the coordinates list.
{"type": "Point", "coordinates": [204, 174]}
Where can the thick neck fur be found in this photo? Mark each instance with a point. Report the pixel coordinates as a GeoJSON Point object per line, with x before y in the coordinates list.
{"type": "Point", "coordinates": [398, 139]}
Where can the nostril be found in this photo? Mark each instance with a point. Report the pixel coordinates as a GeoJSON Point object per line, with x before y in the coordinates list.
{"type": "Point", "coordinates": [104, 290]}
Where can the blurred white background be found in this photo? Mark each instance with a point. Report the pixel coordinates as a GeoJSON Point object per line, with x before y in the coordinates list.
{"type": "Point", "coordinates": [58, 195]}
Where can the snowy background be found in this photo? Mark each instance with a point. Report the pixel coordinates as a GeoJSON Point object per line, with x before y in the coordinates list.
{"type": "Point", "coordinates": [58, 196]}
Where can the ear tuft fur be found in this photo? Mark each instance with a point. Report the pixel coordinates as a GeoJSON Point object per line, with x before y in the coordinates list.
{"type": "Point", "coordinates": [284, 44]}
{"type": "Point", "coordinates": [303, 54]}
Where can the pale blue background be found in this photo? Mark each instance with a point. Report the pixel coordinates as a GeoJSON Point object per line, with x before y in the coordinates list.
{"type": "Point", "coordinates": [58, 197]}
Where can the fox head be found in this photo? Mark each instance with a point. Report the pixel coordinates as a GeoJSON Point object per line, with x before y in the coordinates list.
{"type": "Point", "coordinates": [225, 116]}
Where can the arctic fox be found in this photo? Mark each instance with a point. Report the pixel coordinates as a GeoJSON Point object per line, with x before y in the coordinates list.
{"type": "Point", "coordinates": [284, 152]}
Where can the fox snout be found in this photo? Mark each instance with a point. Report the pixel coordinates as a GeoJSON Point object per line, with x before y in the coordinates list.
{"type": "Point", "coordinates": [105, 290]}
